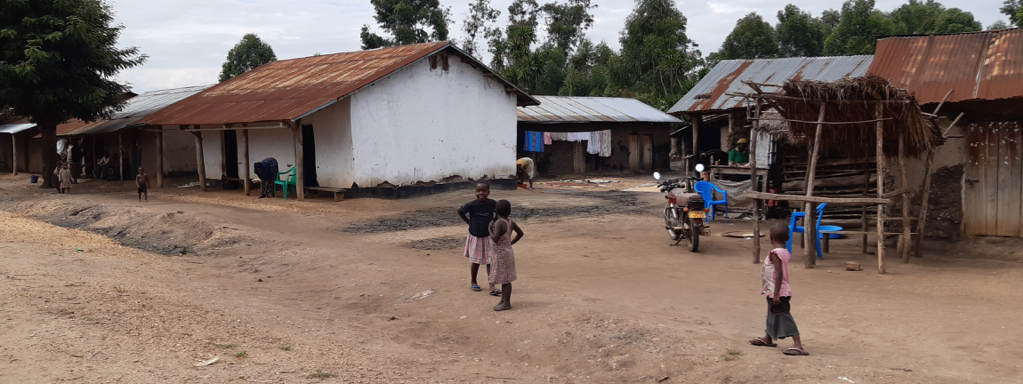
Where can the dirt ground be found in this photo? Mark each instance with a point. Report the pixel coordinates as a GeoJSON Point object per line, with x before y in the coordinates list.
{"type": "Point", "coordinates": [96, 287]}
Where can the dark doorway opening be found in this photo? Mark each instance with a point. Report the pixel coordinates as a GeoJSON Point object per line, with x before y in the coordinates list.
{"type": "Point", "coordinates": [231, 154]}
{"type": "Point", "coordinates": [309, 156]}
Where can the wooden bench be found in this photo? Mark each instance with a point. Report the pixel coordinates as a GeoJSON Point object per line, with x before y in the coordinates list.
{"type": "Point", "coordinates": [339, 193]}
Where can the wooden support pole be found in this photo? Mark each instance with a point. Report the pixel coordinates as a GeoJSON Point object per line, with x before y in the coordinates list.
{"type": "Point", "coordinates": [924, 197]}
{"type": "Point", "coordinates": [299, 167]}
{"type": "Point", "coordinates": [880, 187]}
{"type": "Point", "coordinates": [246, 180]}
{"type": "Point", "coordinates": [120, 157]}
{"type": "Point", "coordinates": [906, 229]}
{"type": "Point", "coordinates": [200, 161]}
{"type": "Point", "coordinates": [159, 159]}
{"type": "Point", "coordinates": [696, 137]}
{"type": "Point", "coordinates": [863, 210]}
{"type": "Point", "coordinates": [753, 181]}
{"type": "Point", "coordinates": [809, 221]}
{"type": "Point", "coordinates": [14, 153]}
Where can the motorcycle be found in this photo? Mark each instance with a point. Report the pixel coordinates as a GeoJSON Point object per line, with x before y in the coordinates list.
{"type": "Point", "coordinates": [685, 216]}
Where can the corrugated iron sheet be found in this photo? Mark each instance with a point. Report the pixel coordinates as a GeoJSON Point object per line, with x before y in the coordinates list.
{"type": "Point", "coordinates": [570, 109]}
{"type": "Point", "coordinates": [135, 113]}
{"type": "Point", "coordinates": [288, 89]}
{"type": "Point", "coordinates": [980, 65]}
{"type": "Point", "coordinates": [15, 127]}
{"type": "Point", "coordinates": [709, 94]}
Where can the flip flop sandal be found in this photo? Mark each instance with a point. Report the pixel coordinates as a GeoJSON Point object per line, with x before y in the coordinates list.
{"type": "Point", "coordinates": [496, 292]}
{"type": "Point", "coordinates": [796, 352]}
{"type": "Point", "coordinates": [475, 288]}
{"type": "Point", "coordinates": [761, 343]}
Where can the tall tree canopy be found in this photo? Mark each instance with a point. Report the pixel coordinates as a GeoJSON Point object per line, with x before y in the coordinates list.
{"type": "Point", "coordinates": [407, 22]}
{"type": "Point", "coordinates": [478, 25]}
{"type": "Point", "coordinates": [657, 57]}
{"type": "Point", "coordinates": [799, 33]}
{"type": "Point", "coordinates": [248, 54]}
{"type": "Point", "coordinates": [58, 59]}
{"type": "Point", "coordinates": [567, 22]}
{"type": "Point", "coordinates": [857, 31]}
{"type": "Point", "coordinates": [752, 38]}
{"type": "Point", "coordinates": [930, 17]}
{"type": "Point", "coordinates": [1013, 9]}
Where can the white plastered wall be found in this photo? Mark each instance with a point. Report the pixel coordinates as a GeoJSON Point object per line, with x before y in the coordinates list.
{"type": "Point", "coordinates": [178, 151]}
{"type": "Point", "coordinates": [212, 152]}
{"type": "Point", "coordinates": [332, 134]}
{"type": "Point", "coordinates": [423, 124]}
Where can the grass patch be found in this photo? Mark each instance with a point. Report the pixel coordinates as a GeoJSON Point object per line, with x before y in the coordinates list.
{"type": "Point", "coordinates": [732, 354]}
{"type": "Point", "coordinates": [226, 346]}
{"type": "Point", "coordinates": [320, 375]}
{"type": "Point", "coordinates": [285, 348]}
{"type": "Point", "coordinates": [241, 354]}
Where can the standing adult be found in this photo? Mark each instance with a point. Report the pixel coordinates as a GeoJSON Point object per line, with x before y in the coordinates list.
{"type": "Point", "coordinates": [75, 160]}
{"type": "Point", "coordinates": [266, 170]}
{"type": "Point", "coordinates": [525, 168]}
{"type": "Point", "coordinates": [740, 154]}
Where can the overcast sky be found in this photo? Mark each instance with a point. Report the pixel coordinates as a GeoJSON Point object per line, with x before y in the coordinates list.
{"type": "Point", "coordinates": [187, 40]}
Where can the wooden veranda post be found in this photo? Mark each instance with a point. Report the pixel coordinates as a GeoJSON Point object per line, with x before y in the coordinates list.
{"type": "Point", "coordinates": [299, 167]}
{"type": "Point", "coordinates": [159, 159]}
{"type": "Point", "coordinates": [14, 154]}
{"type": "Point", "coordinates": [880, 186]}
{"type": "Point", "coordinates": [753, 181]}
{"type": "Point", "coordinates": [925, 195]}
{"type": "Point", "coordinates": [696, 137]}
{"type": "Point", "coordinates": [120, 157]}
{"type": "Point", "coordinates": [906, 223]}
{"type": "Point", "coordinates": [863, 209]}
{"type": "Point", "coordinates": [809, 221]}
{"type": "Point", "coordinates": [200, 160]}
{"type": "Point", "coordinates": [246, 181]}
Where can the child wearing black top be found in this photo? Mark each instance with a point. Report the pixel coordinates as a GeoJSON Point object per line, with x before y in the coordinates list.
{"type": "Point", "coordinates": [478, 245]}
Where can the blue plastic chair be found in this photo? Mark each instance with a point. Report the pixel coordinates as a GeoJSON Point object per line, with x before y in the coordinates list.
{"type": "Point", "coordinates": [793, 228]}
{"type": "Point", "coordinates": [706, 190]}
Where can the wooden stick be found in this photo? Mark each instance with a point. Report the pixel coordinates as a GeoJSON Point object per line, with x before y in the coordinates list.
{"type": "Point", "coordinates": [817, 199]}
{"type": "Point", "coordinates": [790, 98]}
{"type": "Point", "coordinates": [906, 237]}
{"type": "Point", "coordinates": [925, 196]}
{"type": "Point", "coordinates": [945, 134]}
{"type": "Point", "coordinates": [809, 221]}
{"type": "Point", "coordinates": [753, 183]}
{"type": "Point", "coordinates": [880, 188]}
{"type": "Point", "coordinates": [863, 209]}
{"type": "Point", "coordinates": [200, 160]}
{"type": "Point", "coordinates": [827, 122]}
{"type": "Point", "coordinates": [159, 159]}
{"type": "Point", "coordinates": [299, 166]}
{"type": "Point", "coordinates": [14, 153]}
{"type": "Point", "coordinates": [246, 179]}
{"type": "Point", "coordinates": [938, 108]}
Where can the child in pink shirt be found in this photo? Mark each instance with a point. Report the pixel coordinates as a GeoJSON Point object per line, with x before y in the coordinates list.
{"type": "Point", "coordinates": [774, 277]}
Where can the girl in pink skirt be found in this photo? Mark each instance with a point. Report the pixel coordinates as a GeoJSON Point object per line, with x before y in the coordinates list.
{"type": "Point", "coordinates": [479, 214]}
{"type": "Point", "coordinates": [502, 260]}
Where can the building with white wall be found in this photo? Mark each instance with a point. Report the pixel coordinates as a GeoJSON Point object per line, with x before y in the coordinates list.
{"type": "Point", "coordinates": [393, 117]}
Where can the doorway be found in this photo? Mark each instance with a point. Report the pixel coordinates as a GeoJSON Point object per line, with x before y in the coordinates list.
{"type": "Point", "coordinates": [230, 154]}
{"type": "Point", "coordinates": [309, 156]}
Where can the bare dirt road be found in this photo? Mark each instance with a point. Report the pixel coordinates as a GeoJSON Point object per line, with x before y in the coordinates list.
{"type": "Point", "coordinates": [96, 287]}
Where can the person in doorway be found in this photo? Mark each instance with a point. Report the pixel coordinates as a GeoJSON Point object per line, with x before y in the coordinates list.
{"type": "Point", "coordinates": [503, 260]}
{"type": "Point", "coordinates": [266, 170]}
{"type": "Point", "coordinates": [774, 278]}
{"type": "Point", "coordinates": [525, 168]}
{"type": "Point", "coordinates": [142, 181]}
{"type": "Point", "coordinates": [740, 154]}
{"type": "Point", "coordinates": [64, 177]}
{"type": "Point", "coordinates": [478, 245]}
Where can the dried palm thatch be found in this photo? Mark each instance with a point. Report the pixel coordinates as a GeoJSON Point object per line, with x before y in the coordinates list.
{"type": "Point", "coordinates": [857, 139]}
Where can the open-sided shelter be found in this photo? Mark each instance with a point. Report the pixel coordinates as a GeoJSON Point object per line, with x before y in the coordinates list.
{"type": "Point", "coordinates": [400, 116]}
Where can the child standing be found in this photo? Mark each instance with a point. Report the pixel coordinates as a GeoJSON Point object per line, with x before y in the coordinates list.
{"type": "Point", "coordinates": [478, 245]}
{"type": "Point", "coordinates": [774, 276]}
{"type": "Point", "coordinates": [142, 181]}
{"type": "Point", "coordinates": [503, 260]}
{"type": "Point", "coordinates": [64, 176]}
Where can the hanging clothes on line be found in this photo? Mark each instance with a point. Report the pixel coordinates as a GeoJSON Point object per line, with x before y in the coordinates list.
{"type": "Point", "coordinates": [559, 136]}
{"type": "Point", "coordinates": [533, 141]}
{"type": "Point", "coordinates": [604, 139]}
{"type": "Point", "coordinates": [547, 139]}
{"type": "Point", "coordinates": [593, 143]}
{"type": "Point", "coordinates": [578, 136]}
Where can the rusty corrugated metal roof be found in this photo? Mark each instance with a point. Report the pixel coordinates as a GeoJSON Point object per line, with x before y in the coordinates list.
{"type": "Point", "coordinates": [727, 76]}
{"type": "Point", "coordinates": [286, 90]}
{"type": "Point", "coordinates": [572, 109]}
{"type": "Point", "coordinates": [134, 113]}
{"type": "Point", "coordinates": [979, 65]}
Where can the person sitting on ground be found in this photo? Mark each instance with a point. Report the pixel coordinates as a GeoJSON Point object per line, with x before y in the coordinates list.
{"type": "Point", "coordinates": [774, 278]}
{"type": "Point", "coordinates": [503, 258]}
{"type": "Point", "coordinates": [63, 173]}
{"type": "Point", "coordinates": [142, 181]}
{"type": "Point", "coordinates": [740, 154]}
{"type": "Point", "coordinates": [266, 170]}
{"type": "Point", "coordinates": [525, 169]}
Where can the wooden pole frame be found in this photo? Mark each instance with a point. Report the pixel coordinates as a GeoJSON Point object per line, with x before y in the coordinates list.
{"type": "Point", "coordinates": [925, 195]}
{"type": "Point", "coordinates": [906, 224]}
{"type": "Point", "coordinates": [810, 221]}
{"type": "Point", "coordinates": [880, 187]}
{"type": "Point", "coordinates": [753, 180]}
{"type": "Point", "coordinates": [246, 178]}
{"type": "Point", "coordinates": [14, 154]}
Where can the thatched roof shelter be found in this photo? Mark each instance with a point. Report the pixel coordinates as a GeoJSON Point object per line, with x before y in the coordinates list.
{"type": "Point", "coordinates": [855, 100]}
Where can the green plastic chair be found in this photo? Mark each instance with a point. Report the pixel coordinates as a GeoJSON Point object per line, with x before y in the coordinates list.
{"type": "Point", "coordinates": [288, 181]}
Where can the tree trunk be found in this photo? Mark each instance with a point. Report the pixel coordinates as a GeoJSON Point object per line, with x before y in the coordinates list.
{"type": "Point", "coordinates": [49, 133]}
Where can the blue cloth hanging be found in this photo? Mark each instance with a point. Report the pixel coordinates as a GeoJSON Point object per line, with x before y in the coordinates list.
{"type": "Point", "coordinates": [533, 142]}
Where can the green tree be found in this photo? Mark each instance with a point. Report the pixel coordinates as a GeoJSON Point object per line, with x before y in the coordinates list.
{"type": "Point", "coordinates": [1013, 9]}
{"type": "Point", "coordinates": [248, 54]}
{"type": "Point", "coordinates": [799, 33]}
{"type": "Point", "coordinates": [657, 60]}
{"type": "Point", "coordinates": [407, 22]}
{"type": "Point", "coordinates": [998, 24]}
{"type": "Point", "coordinates": [955, 20]}
{"type": "Point", "coordinates": [588, 72]}
{"type": "Point", "coordinates": [858, 29]}
{"type": "Point", "coordinates": [930, 17]}
{"type": "Point", "coordinates": [58, 59]}
{"type": "Point", "coordinates": [477, 25]}
{"type": "Point", "coordinates": [752, 38]}
{"type": "Point", "coordinates": [567, 22]}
